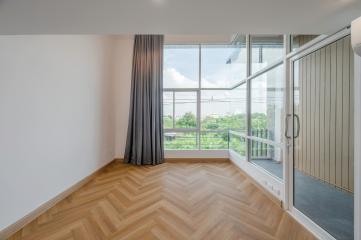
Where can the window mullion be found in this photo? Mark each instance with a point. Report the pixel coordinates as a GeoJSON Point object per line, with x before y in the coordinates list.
{"type": "Point", "coordinates": [248, 119]}
{"type": "Point", "coordinates": [199, 96]}
{"type": "Point", "coordinates": [173, 109]}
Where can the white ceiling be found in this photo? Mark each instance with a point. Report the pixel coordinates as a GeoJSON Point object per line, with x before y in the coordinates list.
{"type": "Point", "coordinates": [176, 16]}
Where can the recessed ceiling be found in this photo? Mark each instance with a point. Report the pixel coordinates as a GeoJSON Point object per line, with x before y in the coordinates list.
{"type": "Point", "coordinates": [176, 16]}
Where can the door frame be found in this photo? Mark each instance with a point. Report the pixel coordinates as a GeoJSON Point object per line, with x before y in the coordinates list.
{"type": "Point", "coordinates": [289, 185]}
{"type": "Point", "coordinates": [357, 154]}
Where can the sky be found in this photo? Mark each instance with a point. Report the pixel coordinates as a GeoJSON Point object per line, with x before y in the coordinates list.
{"type": "Point", "coordinates": [181, 66]}
{"type": "Point", "coordinates": [181, 70]}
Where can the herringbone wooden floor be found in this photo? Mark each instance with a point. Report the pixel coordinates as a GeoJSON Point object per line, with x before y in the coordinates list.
{"type": "Point", "coordinates": [169, 201]}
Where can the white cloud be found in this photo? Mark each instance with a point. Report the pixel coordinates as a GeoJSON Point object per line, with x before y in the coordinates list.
{"type": "Point", "coordinates": [174, 79]}
{"type": "Point", "coordinates": [225, 76]}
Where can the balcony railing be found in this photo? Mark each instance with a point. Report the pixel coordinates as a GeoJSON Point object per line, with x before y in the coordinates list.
{"type": "Point", "coordinates": [220, 139]}
{"type": "Point", "coordinates": [261, 150]}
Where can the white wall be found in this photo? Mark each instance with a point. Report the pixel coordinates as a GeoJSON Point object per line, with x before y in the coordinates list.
{"type": "Point", "coordinates": [123, 57]}
{"type": "Point", "coordinates": [56, 117]}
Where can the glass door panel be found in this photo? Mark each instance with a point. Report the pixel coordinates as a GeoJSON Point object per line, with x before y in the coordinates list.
{"type": "Point", "coordinates": [323, 137]}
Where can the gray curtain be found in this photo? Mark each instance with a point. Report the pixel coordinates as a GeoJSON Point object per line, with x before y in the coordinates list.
{"type": "Point", "coordinates": [145, 127]}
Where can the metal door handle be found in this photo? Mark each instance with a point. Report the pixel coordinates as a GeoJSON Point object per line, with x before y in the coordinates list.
{"type": "Point", "coordinates": [286, 127]}
{"type": "Point", "coordinates": [298, 126]}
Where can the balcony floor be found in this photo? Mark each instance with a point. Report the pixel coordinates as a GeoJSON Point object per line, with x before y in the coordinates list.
{"type": "Point", "coordinates": [329, 207]}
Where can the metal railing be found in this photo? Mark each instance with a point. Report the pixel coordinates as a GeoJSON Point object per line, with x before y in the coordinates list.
{"type": "Point", "coordinates": [261, 147]}
{"type": "Point", "coordinates": [194, 140]}
{"type": "Point", "coordinates": [261, 150]}
{"type": "Point", "coordinates": [221, 139]}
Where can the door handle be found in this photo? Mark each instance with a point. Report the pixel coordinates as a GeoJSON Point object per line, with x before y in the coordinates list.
{"type": "Point", "coordinates": [298, 126]}
{"type": "Point", "coordinates": [286, 127]}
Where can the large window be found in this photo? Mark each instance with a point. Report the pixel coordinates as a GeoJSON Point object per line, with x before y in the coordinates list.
{"type": "Point", "coordinates": [206, 100]}
{"type": "Point", "coordinates": [197, 110]}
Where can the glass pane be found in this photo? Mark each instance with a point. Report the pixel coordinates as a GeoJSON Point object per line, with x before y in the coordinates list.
{"type": "Point", "coordinates": [267, 110]}
{"type": "Point", "coordinates": [223, 65]}
{"type": "Point", "coordinates": [181, 66]}
{"type": "Point", "coordinates": [299, 40]}
{"type": "Point", "coordinates": [238, 106]}
{"type": "Point", "coordinates": [167, 110]}
{"type": "Point", "coordinates": [267, 157]}
{"type": "Point", "coordinates": [180, 141]}
{"type": "Point", "coordinates": [214, 140]}
{"type": "Point", "coordinates": [185, 109]}
{"type": "Point", "coordinates": [265, 50]}
{"type": "Point", "coordinates": [323, 144]}
{"type": "Point", "coordinates": [224, 109]}
{"type": "Point", "coordinates": [238, 144]}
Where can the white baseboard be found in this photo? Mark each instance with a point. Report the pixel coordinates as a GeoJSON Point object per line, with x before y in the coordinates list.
{"type": "Point", "coordinates": [307, 223]}
{"type": "Point", "coordinates": [271, 184]}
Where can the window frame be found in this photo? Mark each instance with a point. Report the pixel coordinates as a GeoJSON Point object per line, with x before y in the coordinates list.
{"type": "Point", "coordinates": [247, 80]}
{"type": "Point", "coordinates": [198, 90]}
{"type": "Point", "coordinates": [174, 129]}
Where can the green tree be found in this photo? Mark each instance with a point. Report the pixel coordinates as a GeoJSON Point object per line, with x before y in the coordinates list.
{"type": "Point", "coordinates": [259, 121]}
{"type": "Point", "coordinates": [212, 140]}
{"type": "Point", "coordinates": [210, 123]}
{"type": "Point", "coordinates": [188, 120]}
{"type": "Point", "coordinates": [167, 121]}
{"type": "Point", "coordinates": [235, 121]}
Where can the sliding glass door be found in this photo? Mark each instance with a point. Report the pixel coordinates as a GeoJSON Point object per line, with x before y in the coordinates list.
{"type": "Point", "coordinates": [323, 137]}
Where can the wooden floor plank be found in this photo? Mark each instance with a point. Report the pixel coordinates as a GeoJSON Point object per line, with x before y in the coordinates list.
{"type": "Point", "coordinates": [205, 200]}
